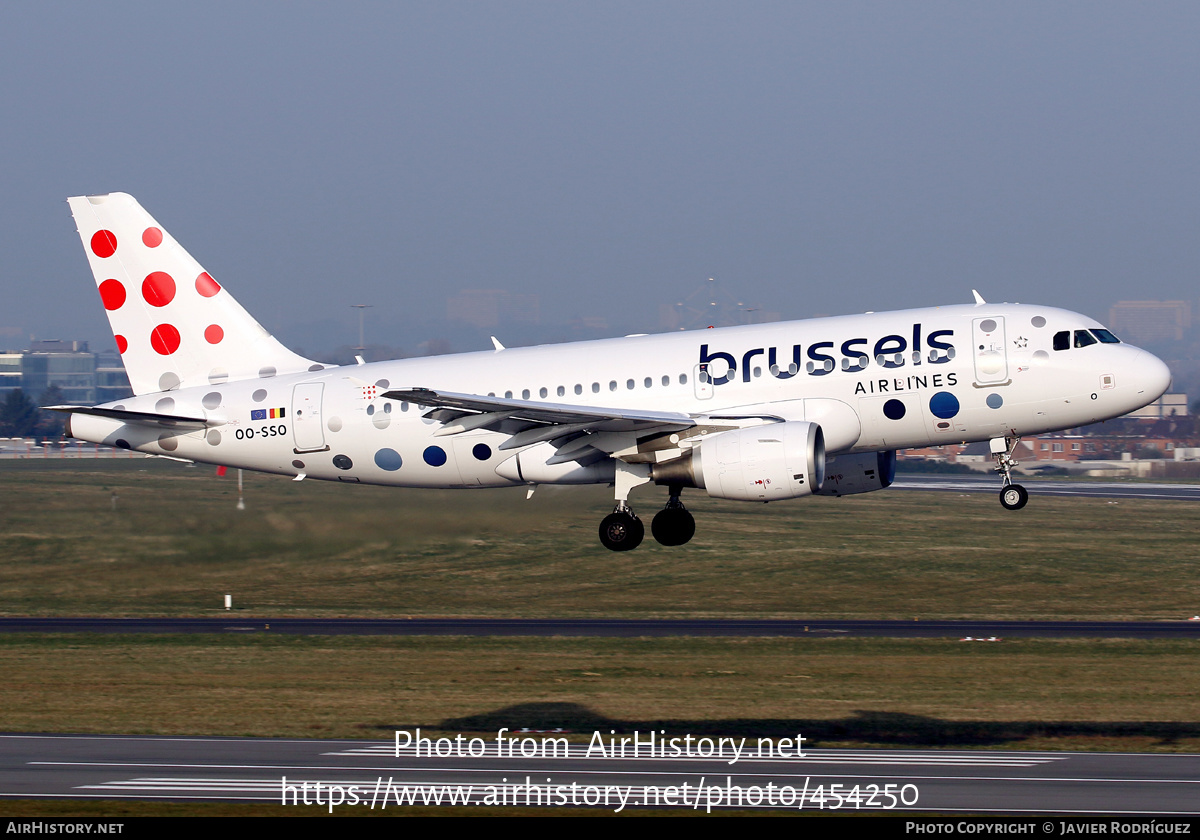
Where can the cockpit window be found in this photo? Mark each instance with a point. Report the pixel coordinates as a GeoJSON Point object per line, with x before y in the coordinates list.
{"type": "Point", "coordinates": [1106, 337]}
{"type": "Point", "coordinates": [1062, 340]}
{"type": "Point", "coordinates": [1083, 338]}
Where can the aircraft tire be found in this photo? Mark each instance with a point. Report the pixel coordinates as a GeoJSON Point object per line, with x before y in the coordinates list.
{"type": "Point", "coordinates": [1014, 497]}
{"type": "Point", "coordinates": [621, 531]}
{"type": "Point", "coordinates": [673, 526]}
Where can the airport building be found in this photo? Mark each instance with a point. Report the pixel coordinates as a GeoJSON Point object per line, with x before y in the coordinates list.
{"type": "Point", "coordinates": [83, 377]}
{"type": "Point", "coordinates": [1150, 321]}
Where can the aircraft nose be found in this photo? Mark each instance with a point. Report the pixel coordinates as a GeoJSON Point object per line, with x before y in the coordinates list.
{"type": "Point", "coordinates": [1153, 375]}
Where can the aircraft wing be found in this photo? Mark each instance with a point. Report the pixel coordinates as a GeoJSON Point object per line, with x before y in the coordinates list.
{"type": "Point", "coordinates": [532, 422]}
{"type": "Point", "coordinates": [540, 412]}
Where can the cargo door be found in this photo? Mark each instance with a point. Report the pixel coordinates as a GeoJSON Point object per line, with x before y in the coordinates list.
{"type": "Point", "coordinates": [889, 422]}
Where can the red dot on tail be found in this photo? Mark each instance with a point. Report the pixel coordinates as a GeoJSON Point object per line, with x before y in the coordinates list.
{"type": "Point", "coordinates": [104, 244]}
{"type": "Point", "coordinates": [213, 334]}
{"type": "Point", "coordinates": [207, 286]}
{"type": "Point", "coordinates": [122, 344]}
{"type": "Point", "coordinates": [164, 339]}
{"type": "Point", "coordinates": [158, 288]}
{"type": "Point", "coordinates": [152, 237]}
{"type": "Point", "coordinates": [113, 294]}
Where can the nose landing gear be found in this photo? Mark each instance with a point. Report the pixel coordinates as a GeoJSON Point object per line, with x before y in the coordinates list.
{"type": "Point", "coordinates": [1012, 496]}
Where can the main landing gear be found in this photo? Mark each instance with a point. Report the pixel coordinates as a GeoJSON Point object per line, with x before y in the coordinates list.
{"type": "Point", "coordinates": [621, 530]}
{"type": "Point", "coordinates": [1012, 496]}
{"type": "Point", "coordinates": [673, 525]}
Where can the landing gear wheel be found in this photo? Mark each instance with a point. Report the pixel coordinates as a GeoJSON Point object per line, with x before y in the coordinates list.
{"type": "Point", "coordinates": [1014, 497]}
{"type": "Point", "coordinates": [621, 531]}
{"type": "Point", "coordinates": [673, 526]}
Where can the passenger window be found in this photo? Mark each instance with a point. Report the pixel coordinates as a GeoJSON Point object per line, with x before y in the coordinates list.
{"type": "Point", "coordinates": [1083, 338]}
{"type": "Point", "coordinates": [629, 383]}
{"type": "Point", "coordinates": [562, 391]}
{"type": "Point", "coordinates": [612, 385]}
{"type": "Point", "coordinates": [649, 382]}
{"type": "Point", "coordinates": [595, 387]}
{"type": "Point", "coordinates": [525, 394]}
{"type": "Point", "coordinates": [1062, 340]}
{"type": "Point", "coordinates": [578, 389]}
{"type": "Point", "coordinates": [543, 393]}
{"type": "Point", "coordinates": [508, 395]}
{"type": "Point", "coordinates": [666, 381]}
{"type": "Point", "coordinates": [683, 379]}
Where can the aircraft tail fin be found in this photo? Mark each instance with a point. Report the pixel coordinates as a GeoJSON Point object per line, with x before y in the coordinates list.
{"type": "Point", "coordinates": [175, 326]}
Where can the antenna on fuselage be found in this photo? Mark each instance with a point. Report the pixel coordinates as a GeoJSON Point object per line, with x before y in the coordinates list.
{"type": "Point", "coordinates": [979, 301]}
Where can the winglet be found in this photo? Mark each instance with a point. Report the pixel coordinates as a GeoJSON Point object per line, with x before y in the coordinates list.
{"type": "Point", "coordinates": [979, 301]}
{"type": "Point", "coordinates": [496, 343]}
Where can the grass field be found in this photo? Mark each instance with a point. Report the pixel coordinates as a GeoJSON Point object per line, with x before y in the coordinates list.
{"type": "Point", "coordinates": [836, 692]}
{"type": "Point", "coordinates": [175, 545]}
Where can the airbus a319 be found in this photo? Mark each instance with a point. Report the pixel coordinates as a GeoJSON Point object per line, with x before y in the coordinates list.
{"type": "Point", "coordinates": [755, 413]}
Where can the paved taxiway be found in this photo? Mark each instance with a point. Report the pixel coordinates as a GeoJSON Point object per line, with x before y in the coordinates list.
{"type": "Point", "coordinates": [108, 767]}
{"type": "Point", "coordinates": [611, 628]}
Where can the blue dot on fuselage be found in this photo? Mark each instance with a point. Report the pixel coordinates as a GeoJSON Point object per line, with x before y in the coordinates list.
{"type": "Point", "coordinates": [893, 409]}
{"type": "Point", "coordinates": [388, 459]}
{"type": "Point", "coordinates": [995, 400]}
{"type": "Point", "coordinates": [482, 451]}
{"type": "Point", "coordinates": [434, 456]}
{"type": "Point", "coordinates": [943, 404]}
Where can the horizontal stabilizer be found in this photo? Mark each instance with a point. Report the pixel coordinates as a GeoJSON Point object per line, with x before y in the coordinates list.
{"type": "Point", "coordinates": [144, 418]}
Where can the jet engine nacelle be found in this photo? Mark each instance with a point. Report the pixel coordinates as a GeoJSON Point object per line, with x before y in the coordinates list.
{"type": "Point", "coordinates": [863, 472]}
{"type": "Point", "coordinates": [755, 464]}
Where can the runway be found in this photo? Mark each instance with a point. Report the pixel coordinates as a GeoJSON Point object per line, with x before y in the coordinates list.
{"type": "Point", "coordinates": [1049, 487]}
{"type": "Point", "coordinates": [372, 774]}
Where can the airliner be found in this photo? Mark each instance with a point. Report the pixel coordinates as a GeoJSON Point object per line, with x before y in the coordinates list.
{"type": "Point", "coordinates": [754, 413]}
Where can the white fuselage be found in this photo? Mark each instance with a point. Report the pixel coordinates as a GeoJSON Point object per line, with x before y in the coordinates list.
{"type": "Point", "coordinates": [931, 376]}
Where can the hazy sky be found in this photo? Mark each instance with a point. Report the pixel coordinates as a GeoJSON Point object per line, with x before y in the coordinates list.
{"type": "Point", "coordinates": [813, 157]}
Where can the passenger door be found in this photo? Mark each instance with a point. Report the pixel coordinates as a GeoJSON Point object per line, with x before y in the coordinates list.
{"type": "Point", "coordinates": [307, 429]}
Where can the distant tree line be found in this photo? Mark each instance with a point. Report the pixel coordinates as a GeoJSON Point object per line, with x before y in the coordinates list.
{"type": "Point", "coordinates": [21, 417]}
